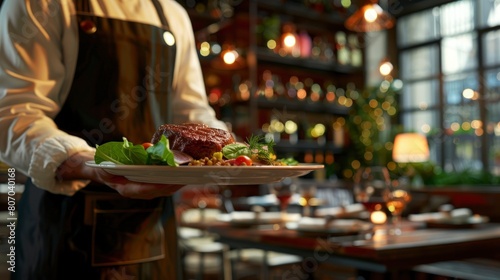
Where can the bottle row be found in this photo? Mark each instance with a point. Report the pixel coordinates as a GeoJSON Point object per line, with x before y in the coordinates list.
{"type": "Point", "coordinates": [292, 91]}
{"type": "Point", "coordinates": [289, 39]}
{"type": "Point", "coordinates": [300, 130]}
{"type": "Point", "coordinates": [274, 87]}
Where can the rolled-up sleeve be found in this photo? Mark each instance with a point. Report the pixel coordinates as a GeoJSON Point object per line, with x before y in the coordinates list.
{"type": "Point", "coordinates": [38, 56]}
{"type": "Point", "coordinates": [37, 59]}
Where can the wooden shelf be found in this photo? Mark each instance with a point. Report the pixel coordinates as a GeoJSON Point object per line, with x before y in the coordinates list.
{"type": "Point", "coordinates": [265, 55]}
{"type": "Point", "coordinates": [306, 146]}
{"type": "Point", "coordinates": [303, 106]}
{"type": "Point", "coordinates": [297, 10]}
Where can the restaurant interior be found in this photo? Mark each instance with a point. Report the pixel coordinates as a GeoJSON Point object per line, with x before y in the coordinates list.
{"type": "Point", "coordinates": [397, 100]}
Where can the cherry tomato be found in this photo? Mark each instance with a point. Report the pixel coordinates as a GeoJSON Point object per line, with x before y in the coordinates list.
{"type": "Point", "coordinates": [146, 145]}
{"type": "Point", "coordinates": [243, 160]}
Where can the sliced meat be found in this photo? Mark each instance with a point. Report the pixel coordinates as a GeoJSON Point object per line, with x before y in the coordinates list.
{"type": "Point", "coordinates": [196, 140]}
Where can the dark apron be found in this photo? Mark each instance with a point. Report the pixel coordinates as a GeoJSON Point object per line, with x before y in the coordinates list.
{"type": "Point", "coordinates": [123, 74]}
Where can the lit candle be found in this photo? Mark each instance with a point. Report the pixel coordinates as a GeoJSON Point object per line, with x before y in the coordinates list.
{"type": "Point", "coordinates": [378, 217]}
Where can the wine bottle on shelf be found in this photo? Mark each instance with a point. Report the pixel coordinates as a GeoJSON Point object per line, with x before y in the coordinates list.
{"type": "Point", "coordinates": [316, 50]}
{"type": "Point", "coordinates": [302, 128]}
{"type": "Point", "coordinates": [356, 53]}
{"type": "Point", "coordinates": [330, 96]}
{"type": "Point", "coordinates": [292, 87]}
{"type": "Point", "coordinates": [279, 87]}
{"type": "Point", "coordinates": [305, 44]}
{"type": "Point", "coordinates": [343, 54]}
{"type": "Point", "coordinates": [328, 50]}
{"type": "Point", "coordinates": [338, 135]}
{"type": "Point", "coordinates": [329, 132]}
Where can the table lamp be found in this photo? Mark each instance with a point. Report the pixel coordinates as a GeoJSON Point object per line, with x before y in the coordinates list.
{"type": "Point", "coordinates": [410, 148]}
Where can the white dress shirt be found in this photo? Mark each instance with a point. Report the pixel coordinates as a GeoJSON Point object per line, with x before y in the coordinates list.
{"type": "Point", "coordinates": [38, 55]}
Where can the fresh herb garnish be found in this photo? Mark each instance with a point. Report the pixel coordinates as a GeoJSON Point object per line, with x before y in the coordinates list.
{"type": "Point", "coordinates": [127, 153]}
{"type": "Point", "coordinates": [255, 148]}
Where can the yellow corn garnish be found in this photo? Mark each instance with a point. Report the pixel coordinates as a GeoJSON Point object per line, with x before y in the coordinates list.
{"type": "Point", "coordinates": [217, 155]}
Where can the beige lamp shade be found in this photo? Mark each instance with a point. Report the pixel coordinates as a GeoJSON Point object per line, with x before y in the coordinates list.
{"type": "Point", "coordinates": [410, 147]}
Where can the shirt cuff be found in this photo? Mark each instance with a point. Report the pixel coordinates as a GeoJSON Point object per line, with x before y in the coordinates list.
{"type": "Point", "coordinates": [49, 156]}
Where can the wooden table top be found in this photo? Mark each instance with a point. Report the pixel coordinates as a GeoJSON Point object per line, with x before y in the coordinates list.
{"type": "Point", "coordinates": [379, 252]}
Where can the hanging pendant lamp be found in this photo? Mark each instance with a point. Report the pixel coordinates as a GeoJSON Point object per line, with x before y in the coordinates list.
{"type": "Point", "coordinates": [370, 17]}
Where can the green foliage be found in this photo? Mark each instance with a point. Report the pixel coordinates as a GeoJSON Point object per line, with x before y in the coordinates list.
{"type": "Point", "coordinates": [466, 178]}
{"type": "Point", "coordinates": [270, 28]}
{"type": "Point", "coordinates": [371, 123]}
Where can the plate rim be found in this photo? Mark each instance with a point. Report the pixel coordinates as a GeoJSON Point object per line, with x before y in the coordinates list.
{"type": "Point", "coordinates": [110, 165]}
{"type": "Point", "coordinates": [216, 175]}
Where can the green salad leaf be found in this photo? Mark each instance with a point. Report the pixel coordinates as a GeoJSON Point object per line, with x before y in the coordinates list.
{"type": "Point", "coordinates": [127, 153]}
{"type": "Point", "coordinates": [234, 150]}
{"type": "Point", "coordinates": [160, 153]}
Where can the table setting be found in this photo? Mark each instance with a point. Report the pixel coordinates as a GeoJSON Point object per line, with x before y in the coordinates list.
{"type": "Point", "coordinates": [450, 217]}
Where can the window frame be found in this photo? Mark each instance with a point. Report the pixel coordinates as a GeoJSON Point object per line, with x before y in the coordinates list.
{"type": "Point", "coordinates": [480, 31]}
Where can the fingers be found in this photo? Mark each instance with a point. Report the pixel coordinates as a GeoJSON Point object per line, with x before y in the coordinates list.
{"type": "Point", "coordinates": [137, 190]}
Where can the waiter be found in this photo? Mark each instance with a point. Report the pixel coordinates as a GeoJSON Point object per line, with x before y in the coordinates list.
{"type": "Point", "coordinates": [74, 74]}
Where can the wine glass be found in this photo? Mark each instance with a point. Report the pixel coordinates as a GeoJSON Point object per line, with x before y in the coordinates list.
{"type": "Point", "coordinates": [397, 199]}
{"type": "Point", "coordinates": [307, 193]}
{"type": "Point", "coordinates": [283, 192]}
{"type": "Point", "coordinates": [371, 187]}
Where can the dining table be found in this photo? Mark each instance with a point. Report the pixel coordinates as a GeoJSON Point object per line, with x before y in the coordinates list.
{"type": "Point", "coordinates": [374, 254]}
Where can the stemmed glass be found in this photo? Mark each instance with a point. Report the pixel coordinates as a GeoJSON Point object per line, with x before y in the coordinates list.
{"type": "Point", "coordinates": [371, 187]}
{"type": "Point", "coordinates": [307, 193]}
{"type": "Point", "coordinates": [283, 192]}
{"type": "Point", "coordinates": [397, 199]}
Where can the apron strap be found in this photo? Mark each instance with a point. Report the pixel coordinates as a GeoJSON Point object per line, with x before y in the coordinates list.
{"type": "Point", "coordinates": [161, 15]}
{"type": "Point", "coordinates": [82, 6]}
{"type": "Point", "coordinates": [166, 105]}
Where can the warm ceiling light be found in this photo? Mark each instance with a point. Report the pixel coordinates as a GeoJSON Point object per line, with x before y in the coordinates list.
{"type": "Point", "coordinates": [370, 17]}
{"type": "Point", "coordinates": [385, 68]}
{"type": "Point", "coordinates": [228, 59]}
{"type": "Point", "coordinates": [289, 40]}
{"type": "Point", "coordinates": [229, 56]}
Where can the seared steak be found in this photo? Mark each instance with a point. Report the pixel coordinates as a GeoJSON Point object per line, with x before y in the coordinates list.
{"type": "Point", "coordinates": [196, 140]}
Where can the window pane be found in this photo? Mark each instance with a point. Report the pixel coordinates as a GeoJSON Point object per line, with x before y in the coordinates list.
{"type": "Point", "coordinates": [425, 121]}
{"type": "Point", "coordinates": [463, 123]}
{"type": "Point", "coordinates": [455, 85]}
{"type": "Point", "coordinates": [457, 17]}
{"type": "Point", "coordinates": [461, 119]}
{"type": "Point", "coordinates": [421, 95]}
{"type": "Point", "coordinates": [459, 53]}
{"type": "Point", "coordinates": [491, 52]}
{"type": "Point", "coordinates": [427, 22]}
{"type": "Point", "coordinates": [492, 84]}
{"type": "Point", "coordinates": [489, 13]}
{"type": "Point", "coordinates": [419, 63]}
{"type": "Point", "coordinates": [462, 152]}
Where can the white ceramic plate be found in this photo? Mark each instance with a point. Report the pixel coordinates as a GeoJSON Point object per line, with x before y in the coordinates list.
{"type": "Point", "coordinates": [253, 218]}
{"type": "Point", "coordinates": [334, 227]}
{"type": "Point", "coordinates": [217, 175]}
